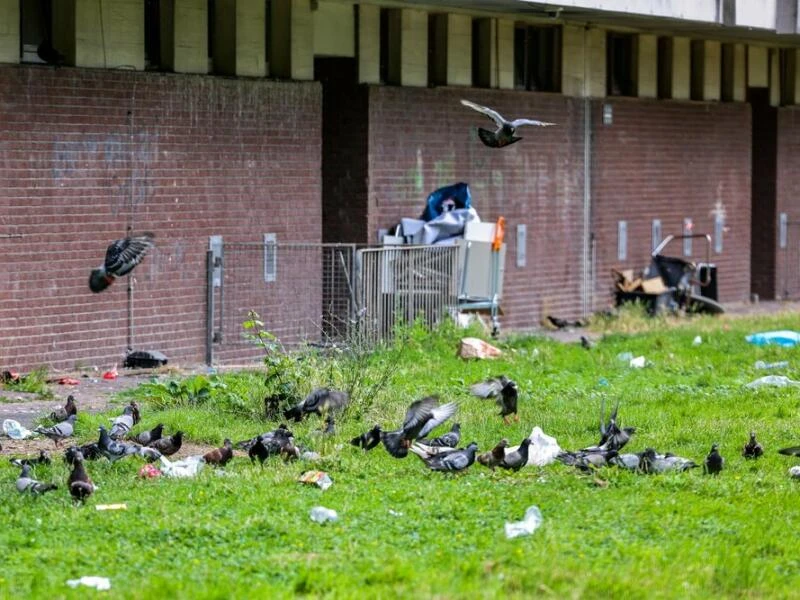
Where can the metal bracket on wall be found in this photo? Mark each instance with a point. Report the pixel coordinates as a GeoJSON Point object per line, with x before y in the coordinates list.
{"type": "Point", "coordinates": [215, 246]}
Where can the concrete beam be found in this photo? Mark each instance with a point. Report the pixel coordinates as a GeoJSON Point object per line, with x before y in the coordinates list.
{"type": "Point", "coordinates": [184, 35]}
{"type": "Point", "coordinates": [109, 33]}
{"type": "Point", "coordinates": [9, 31]}
{"type": "Point", "coordinates": [292, 39]}
{"type": "Point", "coordinates": [369, 43]}
{"type": "Point", "coordinates": [647, 64]}
{"type": "Point", "coordinates": [334, 29]}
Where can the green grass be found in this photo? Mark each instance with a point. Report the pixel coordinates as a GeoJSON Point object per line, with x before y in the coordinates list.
{"type": "Point", "coordinates": [248, 534]}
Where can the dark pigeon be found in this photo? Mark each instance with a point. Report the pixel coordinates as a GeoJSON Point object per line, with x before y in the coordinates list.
{"type": "Point", "coordinates": [168, 445]}
{"type": "Point", "coordinates": [504, 135]}
{"type": "Point", "coordinates": [369, 439]}
{"type": "Point", "coordinates": [121, 257]}
{"type": "Point", "coordinates": [80, 484]}
{"type": "Point", "coordinates": [504, 390]}
{"type": "Point", "coordinates": [714, 461]}
{"type": "Point", "coordinates": [220, 456]}
{"type": "Point", "coordinates": [147, 437]}
{"type": "Point", "coordinates": [518, 458]}
{"type": "Point", "coordinates": [495, 456]}
{"type": "Point", "coordinates": [62, 414]}
{"type": "Point", "coordinates": [752, 449]}
{"type": "Point", "coordinates": [319, 401]}
{"type": "Point", "coordinates": [42, 459]}
{"type": "Point", "coordinates": [421, 418]}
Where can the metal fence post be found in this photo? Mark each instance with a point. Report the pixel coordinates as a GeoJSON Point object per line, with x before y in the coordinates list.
{"type": "Point", "coordinates": [209, 307]}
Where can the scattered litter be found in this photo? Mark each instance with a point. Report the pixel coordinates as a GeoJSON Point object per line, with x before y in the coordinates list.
{"type": "Point", "coordinates": [98, 583]}
{"type": "Point", "coordinates": [395, 513]}
{"type": "Point", "coordinates": [543, 449]}
{"type": "Point", "coordinates": [794, 472]}
{"type": "Point", "coordinates": [309, 455]}
{"type": "Point", "coordinates": [67, 381]}
{"type": "Point", "coordinates": [144, 359]}
{"type": "Point", "coordinates": [785, 338]}
{"type": "Point", "coordinates": [531, 522]}
{"type": "Point", "coordinates": [477, 348]}
{"type": "Point", "coordinates": [760, 364]}
{"type": "Point", "coordinates": [319, 478]}
{"type": "Point", "coordinates": [11, 376]}
{"type": "Point", "coordinates": [188, 467]}
{"type": "Point", "coordinates": [772, 380]}
{"type": "Point", "coordinates": [16, 431]}
{"type": "Point", "coordinates": [320, 514]}
{"type": "Point", "coordinates": [637, 363]}
{"type": "Point", "coordinates": [110, 374]}
{"type": "Point", "coordinates": [697, 340]}
{"type": "Point", "coordinates": [602, 381]}
{"type": "Point", "coordinates": [122, 506]}
{"type": "Point", "coordinates": [625, 357]}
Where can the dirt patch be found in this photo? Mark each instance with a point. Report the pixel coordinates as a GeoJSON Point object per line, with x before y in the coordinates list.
{"type": "Point", "coordinates": [31, 447]}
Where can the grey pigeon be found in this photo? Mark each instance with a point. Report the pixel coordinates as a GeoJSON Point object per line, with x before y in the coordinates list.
{"type": "Point", "coordinates": [421, 418]}
{"type": "Point", "coordinates": [585, 460]}
{"type": "Point", "coordinates": [125, 422]}
{"type": "Point", "coordinates": [146, 437]}
{"type": "Point", "coordinates": [504, 390]}
{"type": "Point", "coordinates": [121, 257]}
{"type": "Point", "coordinates": [625, 461]}
{"type": "Point", "coordinates": [651, 462]}
{"type": "Point", "coordinates": [25, 483]}
{"type": "Point", "coordinates": [752, 449]}
{"type": "Point", "coordinates": [168, 445]}
{"type": "Point", "coordinates": [495, 456]}
{"type": "Point", "coordinates": [518, 458]}
{"type": "Point", "coordinates": [449, 439]}
{"type": "Point", "coordinates": [457, 460]}
{"type": "Point", "coordinates": [61, 414]}
{"type": "Point", "coordinates": [59, 431]}
{"type": "Point", "coordinates": [112, 449]}
{"type": "Point", "coordinates": [504, 135]}
{"type": "Point", "coordinates": [42, 459]}
{"type": "Point", "coordinates": [714, 461]}
{"type": "Point", "coordinates": [321, 400]}
{"type": "Point", "coordinates": [611, 436]}
{"type": "Point", "coordinates": [149, 454]}
{"type": "Point", "coordinates": [586, 343]}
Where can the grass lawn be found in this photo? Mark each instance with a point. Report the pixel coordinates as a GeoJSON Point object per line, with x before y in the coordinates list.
{"type": "Point", "coordinates": [405, 530]}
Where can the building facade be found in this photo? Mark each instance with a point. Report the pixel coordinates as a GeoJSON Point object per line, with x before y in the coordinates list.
{"type": "Point", "coordinates": [323, 121]}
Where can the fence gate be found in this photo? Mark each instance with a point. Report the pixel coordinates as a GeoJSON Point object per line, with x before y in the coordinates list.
{"type": "Point", "coordinates": [302, 292]}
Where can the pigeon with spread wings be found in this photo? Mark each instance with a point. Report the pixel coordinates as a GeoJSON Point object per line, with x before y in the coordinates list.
{"type": "Point", "coordinates": [121, 257]}
{"type": "Point", "coordinates": [505, 134]}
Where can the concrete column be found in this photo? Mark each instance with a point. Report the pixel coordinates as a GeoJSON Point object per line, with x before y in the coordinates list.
{"type": "Point", "coordinates": [292, 39]}
{"type": "Point", "coordinates": [239, 40]}
{"type": "Point", "coordinates": [583, 62]}
{"type": "Point", "coordinates": [438, 48]}
{"type": "Point", "coordinates": [647, 65]}
{"type": "Point", "coordinates": [712, 69]}
{"type": "Point", "coordinates": [757, 66]}
{"type": "Point", "coordinates": [459, 49]}
{"type": "Point", "coordinates": [184, 35]}
{"type": "Point", "coordinates": [505, 54]}
{"type": "Point", "coordinates": [9, 31]}
{"type": "Point", "coordinates": [795, 99]}
{"type": "Point", "coordinates": [596, 63]}
{"type": "Point", "coordinates": [681, 68]}
{"type": "Point", "coordinates": [369, 43]}
{"type": "Point", "coordinates": [109, 33]}
{"type": "Point", "coordinates": [774, 77]}
{"type": "Point", "coordinates": [334, 29]}
{"type": "Point", "coordinates": [413, 47]}
{"type": "Point", "coordinates": [739, 73]}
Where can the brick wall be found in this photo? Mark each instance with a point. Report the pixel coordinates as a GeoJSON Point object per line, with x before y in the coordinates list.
{"type": "Point", "coordinates": [788, 184]}
{"type": "Point", "coordinates": [671, 160]}
{"type": "Point", "coordinates": [202, 156]}
{"type": "Point", "coordinates": [421, 139]}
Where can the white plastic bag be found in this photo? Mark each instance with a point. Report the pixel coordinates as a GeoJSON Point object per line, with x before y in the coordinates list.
{"type": "Point", "coordinates": [320, 514]}
{"type": "Point", "coordinates": [16, 431]}
{"type": "Point", "coordinates": [98, 583]}
{"type": "Point", "coordinates": [531, 522]}
{"type": "Point", "coordinates": [188, 467]}
{"type": "Point", "coordinates": [772, 380]}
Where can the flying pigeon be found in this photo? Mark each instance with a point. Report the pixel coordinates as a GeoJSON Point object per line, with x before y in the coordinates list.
{"type": "Point", "coordinates": [752, 449]}
{"type": "Point", "coordinates": [449, 439]}
{"type": "Point", "coordinates": [421, 418]}
{"type": "Point", "coordinates": [504, 390]}
{"type": "Point", "coordinates": [369, 439]}
{"type": "Point", "coordinates": [61, 414]}
{"type": "Point", "coordinates": [60, 431]}
{"type": "Point", "coordinates": [114, 450]}
{"type": "Point", "coordinates": [80, 484]}
{"type": "Point", "coordinates": [517, 459]}
{"type": "Point", "coordinates": [611, 436]}
{"type": "Point", "coordinates": [504, 135]}
{"type": "Point", "coordinates": [25, 483]}
{"type": "Point", "coordinates": [321, 400]}
{"type": "Point", "coordinates": [168, 445]}
{"type": "Point", "coordinates": [495, 456]}
{"type": "Point", "coordinates": [220, 456]}
{"type": "Point", "coordinates": [457, 460]}
{"type": "Point", "coordinates": [714, 461]}
{"type": "Point", "coordinates": [121, 257]}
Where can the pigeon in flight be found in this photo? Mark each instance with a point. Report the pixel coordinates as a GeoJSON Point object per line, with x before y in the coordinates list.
{"type": "Point", "coordinates": [504, 390]}
{"type": "Point", "coordinates": [121, 257]}
{"type": "Point", "coordinates": [421, 418]}
{"type": "Point", "coordinates": [504, 134]}
{"type": "Point", "coordinates": [369, 439]}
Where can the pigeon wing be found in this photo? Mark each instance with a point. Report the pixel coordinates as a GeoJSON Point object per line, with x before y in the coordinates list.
{"type": "Point", "coordinates": [492, 114]}
{"type": "Point", "coordinates": [520, 122]}
{"type": "Point", "coordinates": [123, 255]}
{"type": "Point", "coordinates": [486, 389]}
{"type": "Point", "coordinates": [439, 415]}
{"type": "Point", "coordinates": [419, 412]}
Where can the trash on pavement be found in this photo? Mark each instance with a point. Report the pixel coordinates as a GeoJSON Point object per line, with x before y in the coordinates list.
{"type": "Point", "coordinates": [121, 506]}
{"type": "Point", "coordinates": [760, 364]}
{"type": "Point", "coordinates": [794, 472]}
{"type": "Point", "coordinates": [785, 338]}
{"type": "Point", "coordinates": [98, 583]}
{"type": "Point", "coordinates": [477, 348]}
{"type": "Point", "coordinates": [16, 431]}
{"type": "Point", "coordinates": [625, 357]}
{"type": "Point", "coordinates": [531, 522]}
{"type": "Point", "coordinates": [319, 478]}
{"type": "Point", "coordinates": [67, 381]}
{"type": "Point", "coordinates": [772, 380]}
{"type": "Point", "coordinates": [637, 363]}
{"type": "Point", "coordinates": [320, 514]}
{"type": "Point", "coordinates": [188, 467]}
{"type": "Point", "coordinates": [542, 450]}
{"type": "Point", "coordinates": [697, 340]}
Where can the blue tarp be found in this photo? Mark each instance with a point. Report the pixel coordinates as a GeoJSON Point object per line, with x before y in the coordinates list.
{"type": "Point", "coordinates": [787, 339]}
{"type": "Point", "coordinates": [445, 199]}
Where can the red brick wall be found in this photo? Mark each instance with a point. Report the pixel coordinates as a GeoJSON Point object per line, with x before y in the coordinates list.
{"type": "Point", "coordinates": [787, 284]}
{"type": "Point", "coordinates": [203, 156]}
{"type": "Point", "coordinates": [420, 139]}
{"type": "Point", "coordinates": [671, 160]}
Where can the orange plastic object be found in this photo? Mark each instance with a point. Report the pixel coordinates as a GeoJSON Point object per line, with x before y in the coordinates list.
{"type": "Point", "coordinates": [499, 234]}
